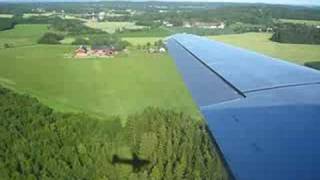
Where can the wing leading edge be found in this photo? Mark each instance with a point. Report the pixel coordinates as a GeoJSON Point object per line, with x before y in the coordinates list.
{"type": "Point", "coordinates": [263, 113]}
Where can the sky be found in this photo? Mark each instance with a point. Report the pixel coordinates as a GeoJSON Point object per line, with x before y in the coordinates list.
{"type": "Point", "coordinates": [293, 2]}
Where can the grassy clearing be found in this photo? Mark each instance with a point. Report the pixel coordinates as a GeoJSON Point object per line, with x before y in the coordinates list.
{"type": "Point", "coordinates": [259, 42]}
{"type": "Point", "coordinates": [119, 86]}
{"type": "Point", "coordinates": [22, 35]}
{"type": "Point", "coordinates": [67, 40]}
{"type": "Point", "coordinates": [28, 15]}
{"type": "Point", "coordinates": [6, 15]}
{"type": "Point", "coordinates": [154, 32]}
{"type": "Point", "coordinates": [297, 21]}
{"type": "Point", "coordinates": [141, 40]}
{"type": "Point", "coordinates": [111, 27]}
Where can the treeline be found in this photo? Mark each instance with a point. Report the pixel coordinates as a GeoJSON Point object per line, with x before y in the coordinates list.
{"type": "Point", "coordinates": [105, 40]}
{"type": "Point", "coordinates": [51, 38]}
{"type": "Point", "coordinates": [38, 143]}
{"type": "Point", "coordinates": [297, 34]}
{"type": "Point", "coordinates": [6, 24]}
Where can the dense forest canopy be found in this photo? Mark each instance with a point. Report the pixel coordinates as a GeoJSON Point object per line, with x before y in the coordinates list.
{"type": "Point", "coordinates": [296, 34]}
{"type": "Point", "coordinates": [38, 143]}
{"type": "Point", "coordinates": [6, 23]}
{"type": "Point", "coordinates": [51, 38]}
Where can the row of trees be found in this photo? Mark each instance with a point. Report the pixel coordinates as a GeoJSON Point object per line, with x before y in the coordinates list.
{"type": "Point", "coordinates": [6, 24]}
{"type": "Point", "coordinates": [38, 143]}
{"type": "Point", "coordinates": [105, 40]}
{"type": "Point", "coordinates": [51, 38]}
{"type": "Point", "coordinates": [296, 33]}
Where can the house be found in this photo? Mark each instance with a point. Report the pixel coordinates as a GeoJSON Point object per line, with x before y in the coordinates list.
{"type": "Point", "coordinates": [103, 50]}
{"type": "Point", "coordinates": [95, 51]}
{"type": "Point", "coordinates": [82, 51]}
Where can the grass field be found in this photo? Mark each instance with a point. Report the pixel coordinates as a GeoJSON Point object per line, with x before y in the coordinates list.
{"type": "Point", "coordinates": [142, 40]}
{"type": "Point", "coordinates": [118, 86]}
{"type": "Point", "coordinates": [111, 27]}
{"type": "Point", "coordinates": [296, 21]}
{"type": "Point", "coordinates": [6, 15]}
{"type": "Point", "coordinates": [154, 32]}
{"type": "Point", "coordinates": [259, 42]}
{"type": "Point", "coordinates": [22, 35]}
{"type": "Point", "coordinates": [28, 15]}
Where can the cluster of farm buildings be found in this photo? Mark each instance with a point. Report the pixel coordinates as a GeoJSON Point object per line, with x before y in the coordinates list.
{"type": "Point", "coordinates": [94, 51]}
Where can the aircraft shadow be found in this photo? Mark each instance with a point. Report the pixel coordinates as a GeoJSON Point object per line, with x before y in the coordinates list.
{"type": "Point", "coordinates": [136, 163]}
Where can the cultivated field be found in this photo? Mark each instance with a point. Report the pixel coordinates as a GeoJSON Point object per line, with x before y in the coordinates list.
{"type": "Point", "coordinates": [6, 15]}
{"type": "Point", "coordinates": [153, 32]}
{"type": "Point", "coordinates": [142, 40]}
{"type": "Point", "coordinates": [296, 21]}
{"type": "Point", "coordinates": [259, 42]}
{"type": "Point", "coordinates": [111, 27]}
{"type": "Point", "coordinates": [122, 85]}
{"type": "Point", "coordinates": [28, 15]}
{"type": "Point", "coordinates": [22, 35]}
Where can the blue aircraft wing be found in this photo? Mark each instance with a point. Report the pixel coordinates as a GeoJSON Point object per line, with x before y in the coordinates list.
{"type": "Point", "coordinates": [263, 113]}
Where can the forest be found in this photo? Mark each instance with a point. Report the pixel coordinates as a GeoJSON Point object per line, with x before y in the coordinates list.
{"type": "Point", "coordinates": [296, 34]}
{"type": "Point", "coordinates": [6, 24]}
{"type": "Point", "coordinates": [39, 143]}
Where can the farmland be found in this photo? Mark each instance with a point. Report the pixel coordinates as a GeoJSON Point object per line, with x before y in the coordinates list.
{"type": "Point", "coordinates": [22, 35]}
{"type": "Point", "coordinates": [259, 42]}
{"type": "Point", "coordinates": [111, 27]}
{"type": "Point", "coordinates": [297, 21]}
{"type": "Point", "coordinates": [119, 86]}
{"type": "Point", "coordinates": [6, 15]}
{"type": "Point", "coordinates": [142, 40]}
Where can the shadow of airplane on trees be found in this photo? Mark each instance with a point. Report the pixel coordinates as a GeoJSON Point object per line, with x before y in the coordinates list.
{"type": "Point", "coordinates": [135, 162]}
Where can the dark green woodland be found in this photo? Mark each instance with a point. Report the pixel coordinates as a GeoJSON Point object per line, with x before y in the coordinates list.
{"type": "Point", "coordinates": [38, 143]}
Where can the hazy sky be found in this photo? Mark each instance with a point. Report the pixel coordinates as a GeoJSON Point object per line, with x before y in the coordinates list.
{"type": "Point", "coordinates": [295, 2]}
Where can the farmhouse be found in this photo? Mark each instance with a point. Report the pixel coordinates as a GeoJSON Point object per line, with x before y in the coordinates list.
{"type": "Point", "coordinates": [81, 52]}
{"type": "Point", "coordinates": [95, 51]}
{"type": "Point", "coordinates": [103, 50]}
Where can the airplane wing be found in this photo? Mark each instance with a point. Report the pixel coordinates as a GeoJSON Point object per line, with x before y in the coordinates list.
{"type": "Point", "coordinates": [263, 113]}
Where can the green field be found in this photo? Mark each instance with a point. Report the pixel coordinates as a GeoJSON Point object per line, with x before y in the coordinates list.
{"type": "Point", "coordinates": [28, 15]}
{"type": "Point", "coordinates": [111, 27]}
{"type": "Point", "coordinates": [120, 86]}
{"type": "Point", "coordinates": [153, 32]}
{"type": "Point", "coordinates": [6, 15]}
{"type": "Point", "coordinates": [297, 21]}
{"type": "Point", "coordinates": [142, 40]}
{"type": "Point", "coordinates": [259, 42]}
{"type": "Point", "coordinates": [22, 35]}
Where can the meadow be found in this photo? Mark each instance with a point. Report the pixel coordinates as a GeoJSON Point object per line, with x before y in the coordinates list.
{"type": "Point", "coordinates": [6, 15]}
{"type": "Point", "coordinates": [111, 27]}
{"type": "Point", "coordinates": [122, 85]}
{"type": "Point", "coordinates": [259, 42]}
{"type": "Point", "coordinates": [22, 35]}
{"type": "Point", "coordinates": [297, 21]}
{"type": "Point", "coordinates": [153, 32]}
{"type": "Point", "coordinates": [142, 40]}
